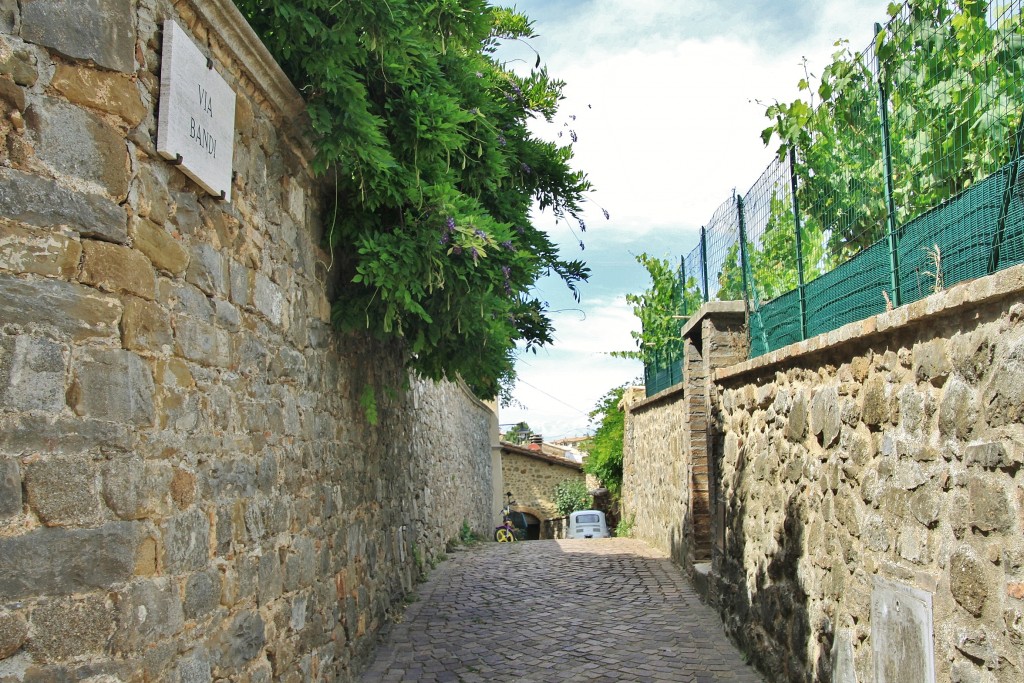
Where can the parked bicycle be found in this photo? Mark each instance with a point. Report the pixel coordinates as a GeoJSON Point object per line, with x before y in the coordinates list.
{"type": "Point", "coordinates": [507, 532]}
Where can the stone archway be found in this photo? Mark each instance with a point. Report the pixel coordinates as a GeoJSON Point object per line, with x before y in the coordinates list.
{"type": "Point", "coordinates": [533, 519]}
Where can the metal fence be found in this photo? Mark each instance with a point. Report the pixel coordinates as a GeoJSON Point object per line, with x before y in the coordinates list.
{"type": "Point", "coordinates": [902, 181]}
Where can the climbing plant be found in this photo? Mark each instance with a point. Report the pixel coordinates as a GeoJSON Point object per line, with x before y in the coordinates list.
{"type": "Point", "coordinates": [953, 79]}
{"type": "Point", "coordinates": [661, 308]}
{"type": "Point", "coordinates": [604, 448]}
{"type": "Point", "coordinates": [423, 133]}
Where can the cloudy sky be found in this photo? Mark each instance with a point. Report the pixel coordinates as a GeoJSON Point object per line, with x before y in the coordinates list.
{"type": "Point", "coordinates": [667, 98]}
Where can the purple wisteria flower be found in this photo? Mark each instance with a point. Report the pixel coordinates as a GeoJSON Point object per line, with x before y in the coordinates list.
{"type": "Point", "coordinates": [479, 233]}
{"type": "Point", "coordinates": [508, 245]}
{"type": "Point", "coordinates": [501, 140]}
{"type": "Point", "coordinates": [457, 250]}
{"type": "Point", "coordinates": [450, 223]}
{"type": "Point", "coordinates": [474, 253]}
{"type": "Point", "coordinates": [526, 168]}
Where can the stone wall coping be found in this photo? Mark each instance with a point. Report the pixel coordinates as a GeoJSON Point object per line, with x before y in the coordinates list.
{"type": "Point", "coordinates": [663, 395]}
{"type": "Point", "coordinates": [709, 309]}
{"type": "Point", "coordinates": [513, 449]}
{"type": "Point", "coordinates": [473, 397]}
{"type": "Point", "coordinates": [990, 288]}
{"type": "Point", "coordinates": [252, 56]}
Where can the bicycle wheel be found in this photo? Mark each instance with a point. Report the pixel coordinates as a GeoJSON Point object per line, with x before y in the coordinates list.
{"type": "Point", "coordinates": [503, 535]}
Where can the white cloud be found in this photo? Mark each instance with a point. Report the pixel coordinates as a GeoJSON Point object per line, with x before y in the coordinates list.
{"type": "Point", "coordinates": [670, 130]}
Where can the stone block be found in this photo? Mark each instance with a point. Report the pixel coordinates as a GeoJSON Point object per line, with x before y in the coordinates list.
{"type": "Point", "coordinates": [194, 668]}
{"type": "Point", "coordinates": [63, 492]}
{"type": "Point", "coordinates": [46, 253]}
{"type": "Point", "coordinates": [62, 309]}
{"type": "Point", "coordinates": [228, 316]}
{"type": "Point", "coordinates": [300, 565]}
{"type": "Point", "coordinates": [114, 93]}
{"type": "Point", "coordinates": [32, 373]}
{"type": "Point", "coordinates": [875, 410]}
{"type": "Point", "coordinates": [958, 409]}
{"type": "Point", "coordinates": [202, 594]}
{"type": "Point", "coordinates": [163, 251]}
{"type": "Point", "coordinates": [134, 488]}
{"type": "Point", "coordinates": [268, 299]}
{"type": "Point", "coordinates": [201, 342]}
{"type": "Point", "coordinates": [27, 434]}
{"type": "Point", "coordinates": [990, 455]}
{"type": "Point", "coordinates": [114, 268]}
{"type": "Point", "coordinates": [288, 364]}
{"type": "Point", "coordinates": [8, 22]}
{"type": "Point", "coordinates": [14, 96]}
{"type": "Point", "coordinates": [270, 582]}
{"type": "Point", "coordinates": [112, 385]}
{"type": "Point", "coordinates": [145, 326]}
{"type": "Point", "coordinates": [824, 415]}
{"type": "Point", "coordinates": [1003, 397]}
{"type": "Point", "coordinates": [10, 488]}
{"type": "Point", "coordinates": [208, 270]}
{"type": "Point", "coordinates": [13, 632]}
{"type": "Point", "coordinates": [148, 611]}
{"type": "Point", "coordinates": [931, 364]}
{"type": "Point", "coordinates": [990, 505]}
{"type": "Point", "coordinates": [75, 142]}
{"type": "Point", "coordinates": [174, 373]}
{"type": "Point", "coordinates": [242, 283]}
{"type": "Point", "coordinates": [186, 542]}
{"type": "Point", "coordinates": [20, 65]}
{"type": "Point", "coordinates": [240, 642]}
{"type": "Point", "coordinates": [42, 202]}
{"type": "Point", "coordinates": [97, 30]}
{"type": "Point", "coordinates": [69, 628]}
{"type": "Point", "coordinates": [968, 580]}
{"type": "Point", "coordinates": [55, 561]}
{"type": "Point", "coordinates": [796, 425]}
{"type": "Point", "coordinates": [154, 199]}
{"type": "Point", "coordinates": [183, 488]}
{"type": "Point", "coordinates": [187, 300]}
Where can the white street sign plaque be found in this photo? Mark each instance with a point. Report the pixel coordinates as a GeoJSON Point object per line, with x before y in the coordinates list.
{"type": "Point", "coordinates": [196, 129]}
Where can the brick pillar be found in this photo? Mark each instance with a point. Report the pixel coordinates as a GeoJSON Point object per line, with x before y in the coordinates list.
{"type": "Point", "coordinates": [716, 336]}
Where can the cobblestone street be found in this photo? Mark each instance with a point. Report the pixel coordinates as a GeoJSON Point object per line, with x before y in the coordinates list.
{"type": "Point", "coordinates": [594, 610]}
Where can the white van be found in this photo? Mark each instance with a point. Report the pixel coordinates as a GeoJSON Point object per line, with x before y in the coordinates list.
{"type": "Point", "coordinates": [587, 524]}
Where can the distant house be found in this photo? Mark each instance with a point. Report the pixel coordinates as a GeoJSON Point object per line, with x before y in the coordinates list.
{"type": "Point", "coordinates": [530, 473]}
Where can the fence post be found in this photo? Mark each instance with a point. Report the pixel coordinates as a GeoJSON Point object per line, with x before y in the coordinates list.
{"type": "Point", "coordinates": [704, 262]}
{"type": "Point", "coordinates": [890, 227]}
{"type": "Point", "coordinates": [1016, 146]}
{"type": "Point", "coordinates": [744, 262]}
{"type": "Point", "coordinates": [799, 243]}
{"type": "Point", "coordinates": [682, 268]}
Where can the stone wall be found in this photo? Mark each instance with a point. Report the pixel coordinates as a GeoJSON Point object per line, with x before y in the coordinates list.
{"type": "Point", "coordinates": [667, 486]}
{"type": "Point", "coordinates": [654, 491]}
{"type": "Point", "coordinates": [532, 477]}
{"type": "Point", "coordinates": [883, 459]}
{"type": "Point", "coordinates": [189, 489]}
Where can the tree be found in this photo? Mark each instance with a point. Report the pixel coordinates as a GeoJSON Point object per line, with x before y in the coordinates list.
{"type": "Point", "coordinates": [572, 495]}
{"type": "Point", "coordinates": [605, 446]}
{"type": "Point", "coordinates": [423, 135]}
{"type": "Point", "coordinates": [513, 435]}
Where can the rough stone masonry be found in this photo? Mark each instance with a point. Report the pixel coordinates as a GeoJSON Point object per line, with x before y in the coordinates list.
{"type": "Point", "coordinates": [869, 492]}
{"type": "Point", "coordinates": [189, 490]}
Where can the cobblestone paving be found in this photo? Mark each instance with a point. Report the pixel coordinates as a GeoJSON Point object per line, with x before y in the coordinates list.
{"type": "Point", "coordinates": [594, 610]}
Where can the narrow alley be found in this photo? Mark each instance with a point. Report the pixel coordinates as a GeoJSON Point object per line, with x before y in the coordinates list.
{"type": "Point", "coordinates": [594, 611]}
